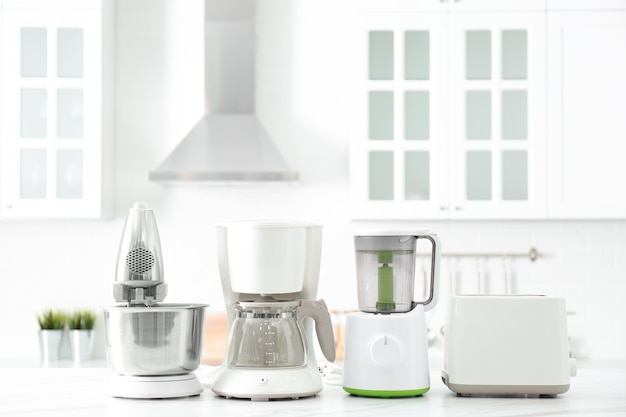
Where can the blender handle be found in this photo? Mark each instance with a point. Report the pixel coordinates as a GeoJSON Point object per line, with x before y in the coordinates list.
{"type": "Point", "coordinates": [318, 311]}
{"type": "Point", "coordinates": [431, 301]}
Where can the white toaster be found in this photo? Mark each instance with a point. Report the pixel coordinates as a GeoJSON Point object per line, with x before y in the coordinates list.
{"type": "Point", "coordinates": [507, 345]}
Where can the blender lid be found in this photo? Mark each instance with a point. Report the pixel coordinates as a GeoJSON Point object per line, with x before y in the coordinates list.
{"type": "Point", "coordinates": [390, 232]}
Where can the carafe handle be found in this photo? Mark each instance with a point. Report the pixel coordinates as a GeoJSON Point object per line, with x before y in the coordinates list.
{"type": "Point", "coordinates": [318, 311]}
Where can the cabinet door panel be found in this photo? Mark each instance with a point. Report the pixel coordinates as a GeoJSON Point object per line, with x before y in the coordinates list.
{"type": "Point", "coordinates": [587, 98]}
{"type": "Point", "coordinates": [514, 119]}
{"type": "Point", "coordinates": [478, 54]}
{"type": "Point", "coordinates": [381, 175]}
{"type": "Point", "coordinates": [33, 113]}
{"type": "Point", "coordinates": [381, 115]}
{"type": "Point", "coordinates": [417, 175]}
{"type": "Point", "coordinates": [478, 176]}
{"type": "Point", "coordinates": [478, 109]}
{"type": "Point", "coordinates": [514, 54]}
{"type": "Point", "coordinates": [33, 174]}
{"type": "Point", "coordinates": [52, 111]}
{"type": "Point", "coordinates": [515, 175]}
{"type": "Point", "coordinates": [70, 52]}
{"type": "Point", "coordinates": [417, 115]}
{"type": "Point", "coordinates": [69, 173]}
{"type": "Point", "coordinates": [416, 55]}
{"type": "Point", "coordinates": [496, 100]}
{"type": "Point", "coordinates": [33, 52]}
{"type": "Point", "coordinates": [398, 165]}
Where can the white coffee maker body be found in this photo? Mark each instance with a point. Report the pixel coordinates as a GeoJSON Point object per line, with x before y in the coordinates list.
{"type": "Point", "coordinates": [386, 347]}
{"type": "Point", "coordinates": [269, 273]}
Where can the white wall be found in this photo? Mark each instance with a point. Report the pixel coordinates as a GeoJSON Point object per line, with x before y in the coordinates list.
{"type": "Point", "coordinates": [301, 99]}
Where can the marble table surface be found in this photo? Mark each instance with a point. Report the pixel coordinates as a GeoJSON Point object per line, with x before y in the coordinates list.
{"type": "Point", "coordinates": [599, 389]}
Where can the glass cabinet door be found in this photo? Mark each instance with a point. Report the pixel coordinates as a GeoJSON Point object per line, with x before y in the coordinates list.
{"type": "Point", "coordinates": [496, 69]}
{"type": "Point", "coordinates": [450, 116]}
{"type": "Point", "coordinates": [399, 137]}
{"type": "Point", "coordinates": [43, 105]}
{"type": "Point", "coordinates": [52, 95]}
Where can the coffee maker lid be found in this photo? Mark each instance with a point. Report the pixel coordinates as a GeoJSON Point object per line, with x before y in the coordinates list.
{"type": "Point", "coordinates": [269, 224]}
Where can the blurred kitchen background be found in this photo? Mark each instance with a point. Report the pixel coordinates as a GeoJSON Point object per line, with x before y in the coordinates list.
{"type": "Point", "coordinates": [305, 99]}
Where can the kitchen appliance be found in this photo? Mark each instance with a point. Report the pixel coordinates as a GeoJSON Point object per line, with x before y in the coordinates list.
{"type": "Point", "coordinates": [507, 345]}
{"type": "Point", "coordinates": [386, 348]}
{"type": "Point", "coordinates": [152, 347]}
{"type": "Point", "coordinates": [269, 274]}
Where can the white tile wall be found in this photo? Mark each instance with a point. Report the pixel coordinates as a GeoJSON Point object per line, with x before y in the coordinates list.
{"type": "Point", "coordinates": [301, 99]}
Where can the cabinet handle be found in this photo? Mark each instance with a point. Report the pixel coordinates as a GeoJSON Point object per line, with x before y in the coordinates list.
{"type": "Point", "coordinates": [443, 208]}
{"type": "Point", "coordinates": [458, 208]}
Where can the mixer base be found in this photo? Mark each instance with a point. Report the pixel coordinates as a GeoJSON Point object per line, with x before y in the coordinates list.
{"type": "Point", "coordinates": [146, 387]}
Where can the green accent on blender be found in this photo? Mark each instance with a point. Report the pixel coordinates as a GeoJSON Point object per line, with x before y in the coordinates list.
{"type": "Point", "coordinates": [386, 394]}
{"type": "Point", "coordinates": [385, 301]}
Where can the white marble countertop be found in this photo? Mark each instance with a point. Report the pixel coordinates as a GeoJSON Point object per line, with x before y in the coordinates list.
{"type": "Point", "coordinates": [599, 389]}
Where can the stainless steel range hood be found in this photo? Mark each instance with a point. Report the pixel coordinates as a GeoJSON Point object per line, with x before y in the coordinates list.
{"type": "Point", "coordinates": [229, 143]}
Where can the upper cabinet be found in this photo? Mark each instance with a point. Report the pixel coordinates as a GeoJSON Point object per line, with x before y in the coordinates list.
{"type": "Point", "coordinates": [587, 108]}
{"type": "Point", "coordinates": [449, 113]}
{"type": "Point", "coordinates": [55, 115]}
{"type": "Point", "coordinates": [489, 110]}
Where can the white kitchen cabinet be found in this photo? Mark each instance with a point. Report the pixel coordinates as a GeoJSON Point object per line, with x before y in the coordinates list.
{"type": "Point", "coordinates": [580, 5]}
{"type": "Point", "coordinates": [587, 107]}
{"type": "Point", "coordinates": [404, 6]}
{"type": "Point", "coordinates": [449, 114]}
{"type": "Point", "coordinates": [55, 111]}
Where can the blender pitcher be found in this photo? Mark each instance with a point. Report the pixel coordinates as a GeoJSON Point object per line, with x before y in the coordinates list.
{"type": "Point", "coordinates": [385, 267]}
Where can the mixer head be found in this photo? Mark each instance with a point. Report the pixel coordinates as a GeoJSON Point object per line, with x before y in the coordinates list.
{"type": "Point", "coordinates": [139, 274]}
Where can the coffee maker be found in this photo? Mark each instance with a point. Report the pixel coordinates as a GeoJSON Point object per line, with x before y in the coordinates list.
{"type": "Point", "coordinates": [386, 348]}
{"type": "Point", "coordinates": [269, 274]}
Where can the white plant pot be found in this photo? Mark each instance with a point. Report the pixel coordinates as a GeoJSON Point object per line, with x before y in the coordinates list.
{"type": "Point", "coordinates": [50, 344]}
{"type": "Point", "coordinates": [81, 345]}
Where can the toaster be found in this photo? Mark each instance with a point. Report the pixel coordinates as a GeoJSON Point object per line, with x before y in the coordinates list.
{"type": "Point", "coordinates": [507, 345]}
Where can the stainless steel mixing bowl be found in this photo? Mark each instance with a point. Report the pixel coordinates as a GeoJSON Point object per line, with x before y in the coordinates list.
{"type": "Point", "coordinates": [165, 339]}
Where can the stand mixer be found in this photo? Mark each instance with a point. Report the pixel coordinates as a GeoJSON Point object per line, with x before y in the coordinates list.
{"type": "Point", "coordinates": [269, 273]}
{"type": "Point", "coordinates": [386, 348]}
{"type": "Point", "coordinates": [152, 348]}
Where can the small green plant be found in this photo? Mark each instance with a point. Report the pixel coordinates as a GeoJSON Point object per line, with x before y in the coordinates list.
{"type": "Point", "coordinates": [82, 320]}
{"type": "Point", "coordinates": [52, 320]}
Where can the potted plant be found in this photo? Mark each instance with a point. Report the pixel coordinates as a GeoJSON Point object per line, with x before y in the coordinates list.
{"type": "Point", "coordinates": [51, 328]}
{"type": "Point", "coordinates": [81, 325]}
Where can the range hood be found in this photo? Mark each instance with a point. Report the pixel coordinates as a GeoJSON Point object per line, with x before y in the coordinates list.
{"type": "Point", "coordinates": [229, 143]}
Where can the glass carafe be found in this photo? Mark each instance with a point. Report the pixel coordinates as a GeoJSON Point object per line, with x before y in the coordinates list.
{"type": "Point", "coordinates": [266, 335]}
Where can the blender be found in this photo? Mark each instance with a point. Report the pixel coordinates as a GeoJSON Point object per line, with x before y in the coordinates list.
{"type": "Point", "coordinates": [269, 274]}
{"type": "Point", "coordinates": [152, 347]}
{"type": "Point", "coordinates": [386, 348]}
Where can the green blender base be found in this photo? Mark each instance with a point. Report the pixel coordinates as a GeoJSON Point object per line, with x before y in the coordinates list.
{"type": "Point", "coordinates": [385, 393]}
